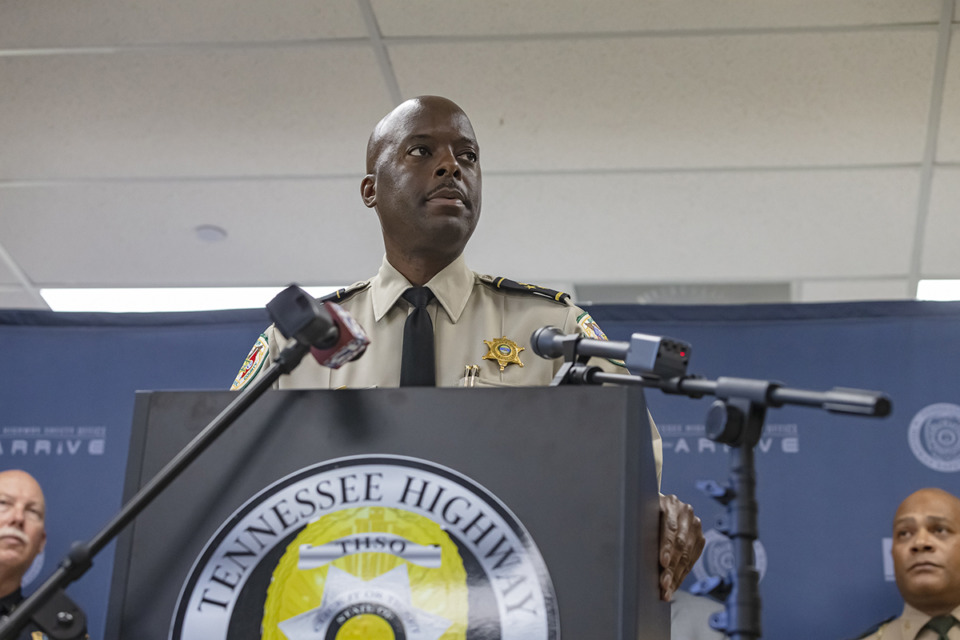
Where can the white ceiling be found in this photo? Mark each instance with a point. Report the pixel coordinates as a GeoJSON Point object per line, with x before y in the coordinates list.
{"type": "Point", "coordinates": [811, 144]}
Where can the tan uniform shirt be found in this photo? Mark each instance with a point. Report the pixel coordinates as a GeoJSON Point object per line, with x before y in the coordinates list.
{"type": "Point", "coordinates": [467, 312]}
{"type": "Point", "coordinates": [908, 625]}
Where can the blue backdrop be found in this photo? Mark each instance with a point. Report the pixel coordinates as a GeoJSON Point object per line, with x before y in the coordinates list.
{"type": "Point", "coordinates": [828, 484]}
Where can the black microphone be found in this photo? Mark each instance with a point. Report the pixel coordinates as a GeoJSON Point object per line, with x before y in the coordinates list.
{"type": "Point", "coordinates": [334, 336]}
{"type": "Point", "coordinates": [548, 342]}
{"type": "Point", "coordinates": [657, 355]}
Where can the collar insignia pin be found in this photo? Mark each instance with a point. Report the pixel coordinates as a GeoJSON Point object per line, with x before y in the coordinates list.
{"type": "Point", "coordinates": [504, 351]}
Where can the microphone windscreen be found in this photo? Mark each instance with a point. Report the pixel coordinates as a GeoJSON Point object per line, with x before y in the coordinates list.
{"type": "Point", "coordinates": [351, 341]}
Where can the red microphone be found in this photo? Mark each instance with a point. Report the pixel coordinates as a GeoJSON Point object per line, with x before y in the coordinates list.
{"type": "Point", "coordinates": [351, 339]}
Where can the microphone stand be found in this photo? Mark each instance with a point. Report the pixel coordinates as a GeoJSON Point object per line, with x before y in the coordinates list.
{"type": "Point", "coordinates": [307, 324]}
{"type": "Point", "coordinates": [735, 419]}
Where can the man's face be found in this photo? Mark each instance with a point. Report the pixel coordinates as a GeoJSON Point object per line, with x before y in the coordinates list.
{"type": "Point", "coordinates": [22, 513]}
{"type": "Point", "coordinates": [426, 180]}
{"type": "Point", "coordinates": [926, 551]}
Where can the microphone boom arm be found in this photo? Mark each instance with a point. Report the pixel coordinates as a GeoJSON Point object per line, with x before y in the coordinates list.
{"type": "Point", "coordinates": [769, 393]}
{"type": "Point", "coordinates": [736, 419]}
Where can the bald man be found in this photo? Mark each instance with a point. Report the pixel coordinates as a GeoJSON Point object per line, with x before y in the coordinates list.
{"type": "Point", "coordinates": [22, 536]}
{"type": "Point", "coordinates": [423, 179]}
{"type": "Point", "coordinates": [926, 563]}
{"type": "Point", "coordinates": [22, 531]}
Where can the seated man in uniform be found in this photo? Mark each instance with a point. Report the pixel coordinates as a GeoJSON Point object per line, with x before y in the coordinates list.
{"type": "Point", "coordinates": [926, 563]}
{"type": "Point", "coordinates": [22, 537]}
{"type": "Point", "coordinates": [424, 181]}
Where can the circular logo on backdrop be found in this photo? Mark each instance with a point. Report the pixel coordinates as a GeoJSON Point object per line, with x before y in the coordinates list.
{"type": "Point", "coordinates": [934, 436]}
{"type": "Point", "coordinates": [369, 547]}
{"type": "Point", "coordinates": [717, 559]}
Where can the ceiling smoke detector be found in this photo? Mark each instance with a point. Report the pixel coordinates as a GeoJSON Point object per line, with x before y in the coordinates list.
{"type": "Point", "coordinates": [210, 233]}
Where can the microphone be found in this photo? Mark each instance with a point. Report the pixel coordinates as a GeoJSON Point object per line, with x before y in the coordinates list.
{"type": "Point", "coordinates": [350, 344]}
{"type": "Point", "coordinates": [334, 336]}
{"type": "Point", "coordinates": [657, 355]}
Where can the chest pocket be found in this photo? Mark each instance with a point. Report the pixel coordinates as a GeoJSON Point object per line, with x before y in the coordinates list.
{"type": "Point", "coordinates": [478, 376]}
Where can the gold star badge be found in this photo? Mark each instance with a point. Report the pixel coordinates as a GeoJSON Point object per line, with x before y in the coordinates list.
{"type": "Point", "coordinates": [504, 351]}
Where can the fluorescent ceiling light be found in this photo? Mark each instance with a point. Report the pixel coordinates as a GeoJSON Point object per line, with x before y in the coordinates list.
{"type": "Point", "coordinates": [166, 299]}
{"type": "Point", "coordinates": [938, 290]}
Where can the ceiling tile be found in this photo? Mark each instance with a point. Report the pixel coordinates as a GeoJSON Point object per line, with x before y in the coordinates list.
{"type": "Point", "coordinates": [941, 259]}
{"type": "Point", "coordinates": [715, 226]}
{"type": "Point", "coordinates": [497, 17]}
{"type": "Point", "coordinates": [728, 101]}
{"type": "Point", "coordinates": [33, 24]}
{"type": "Point", "coordinates": [948, 145]}
{"type": "Point", "coordinates": [846, 290]}
{"type": "Point", "coordinates": [7, 276]}
{"type": "Point", "coordinates": [197, 113]}
{"type": "Point", "coordinates": [697, 227]}
{"type": "Point", "coordinates": [18, 298]}
{"type": "Point", "coordinates": [309, 231]}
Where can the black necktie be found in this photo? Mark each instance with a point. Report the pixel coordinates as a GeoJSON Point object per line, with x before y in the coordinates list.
{"type": "Point", "coordinates": [417, 368]}
{"type": "Point", "coordinates": [941, 624]}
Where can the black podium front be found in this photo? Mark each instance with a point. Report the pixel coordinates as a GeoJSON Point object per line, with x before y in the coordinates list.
{"type": "Point", "coordinates": [547, 497]}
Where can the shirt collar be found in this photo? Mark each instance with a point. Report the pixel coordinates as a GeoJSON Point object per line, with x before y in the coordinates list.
{"type": "Point", "coordinates": [452, 287]}
{"type": "Point", "coordinates": [914, 619]}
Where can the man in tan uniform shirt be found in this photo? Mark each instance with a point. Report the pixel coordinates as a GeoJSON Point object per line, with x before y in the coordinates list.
{"type": "Point", "coordinates": [926, 563]}
{"type": "Point", "coordinates": [472, 315]}
{"type": "Point", "coordinates": [424, 181]}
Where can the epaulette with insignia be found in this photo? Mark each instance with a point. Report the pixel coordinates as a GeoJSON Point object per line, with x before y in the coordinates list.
{"type": "Point", "coordinates": [505, 284]}
{"type": "Point", "coordinates": [342, 294]}
{"type": "Point", "coordinates": [874, 628]}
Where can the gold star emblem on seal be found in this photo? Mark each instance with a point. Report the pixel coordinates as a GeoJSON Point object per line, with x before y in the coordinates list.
{"type": "Point", "coordinates": [504, 351]}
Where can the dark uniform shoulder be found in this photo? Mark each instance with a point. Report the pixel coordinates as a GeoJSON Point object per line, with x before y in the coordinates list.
{"type": "Point", "coordinates": [874, 628]}
{"type": "Point", "coordinates": [341, 295]}
{"type": "Point", "coordinates": [505, 284]}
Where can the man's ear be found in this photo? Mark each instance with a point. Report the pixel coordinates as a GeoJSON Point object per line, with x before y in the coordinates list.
{"type": "Point", "coordinates": [368, 190]}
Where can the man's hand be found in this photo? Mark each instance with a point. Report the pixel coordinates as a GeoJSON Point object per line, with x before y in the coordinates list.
{"type": "Point", "coordinates": [681, 541]}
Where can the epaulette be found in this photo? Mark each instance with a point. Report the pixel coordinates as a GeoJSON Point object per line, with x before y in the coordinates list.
{"type": "Point", "coordinates": [505, 284]}
{"type": "Point", "coordinates": [874, 628]}
{"type": "Point", "coordinates": [342, 294]}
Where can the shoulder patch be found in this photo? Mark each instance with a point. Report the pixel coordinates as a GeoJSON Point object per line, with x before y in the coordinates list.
{"type": "Point", "coordinates": [590, 327]}
{"type": "Point", "coordinates": [505, 284]}
{"type": "Point", "coordinates": [879, 627]}
{"type": "Point", "coordinates": [342, 294]}
{"type": "Point", "coordinates": [252, 365]}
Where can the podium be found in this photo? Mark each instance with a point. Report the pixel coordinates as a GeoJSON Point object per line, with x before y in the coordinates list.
{"type": "Point", "coordinates": [548, 494]}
